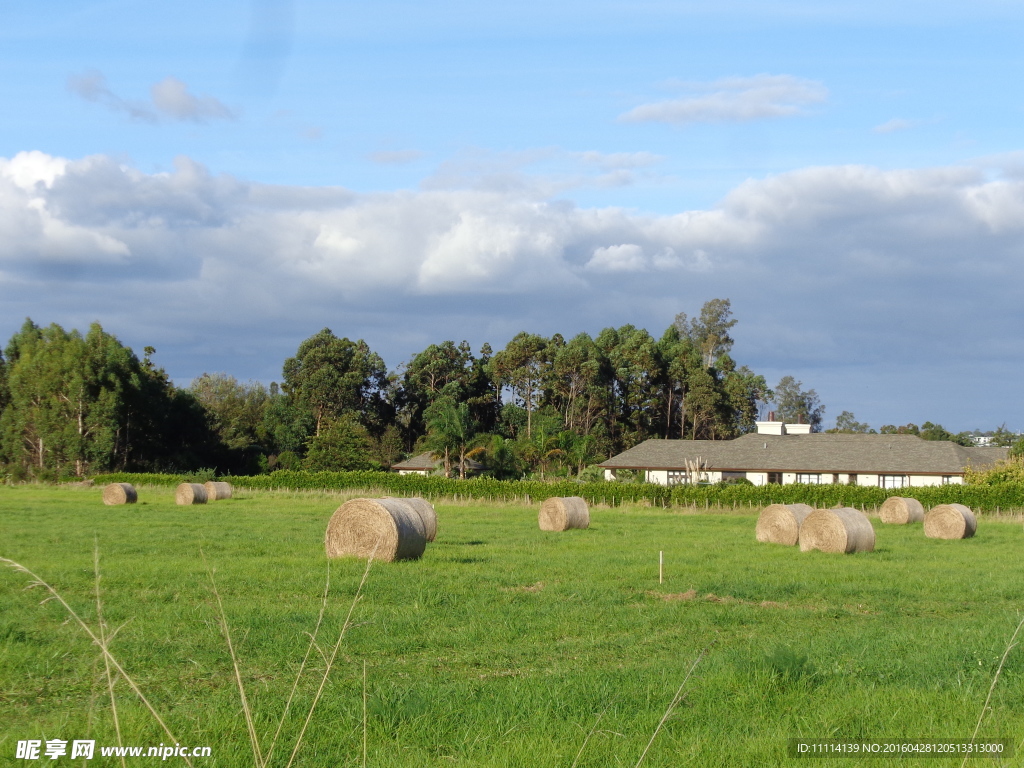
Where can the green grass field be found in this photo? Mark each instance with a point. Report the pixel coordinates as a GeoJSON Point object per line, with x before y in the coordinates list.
{"type": "Point", "coordinates": [503, 646]}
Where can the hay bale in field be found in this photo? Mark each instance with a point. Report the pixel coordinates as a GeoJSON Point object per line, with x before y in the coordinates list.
{"type": "Point", "coordinates": [215, 491]}
{"type": "Point", "coordinates": [427, 513]}
{"type": "Point", "coordinates": [120, 493]}
{"type": "Point", "coordinates": [780, 523]}
{"type": "Point", "coordinates": [190, 493]}
{"type": "Point", "coordinates": [901, 510]}
{"type": "Point", "coordinates": [837, 530]}
{"type": "Point", "coordinates": [385, 529]}
{"type": "Point", "coordinates": [560, 513]}
{"type": "Point", "coordinates": [950, 521]}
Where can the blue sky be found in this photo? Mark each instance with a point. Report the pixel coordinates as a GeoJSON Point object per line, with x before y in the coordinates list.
{"type": "Point", "coordinates": [221, 181]}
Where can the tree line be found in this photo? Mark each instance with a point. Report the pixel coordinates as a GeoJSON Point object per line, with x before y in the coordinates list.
{"type": "Point", "coordinates": [74, 404]}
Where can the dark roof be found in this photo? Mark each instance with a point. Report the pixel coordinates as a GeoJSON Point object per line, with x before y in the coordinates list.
{"type": "Point", "coordinates": [885, 454]}
{"type": "Point", "coordinates": [425, 462]}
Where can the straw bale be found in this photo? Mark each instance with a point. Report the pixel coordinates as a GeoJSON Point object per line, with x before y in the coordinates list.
{"type": "Point", "coordinates": [950, 521]}
{"type": "Point", "coordinates": [837, 530]}
{"type": "Point", "coordinates": [901, 510]}
{"type": "Point", "coordinates": [215, 491]}
{"type": "Point", "coordinates": [427, 512]}
{"type": "Point", "coordinates": [119, 493]}
{"type": "Point", "coordinates": [385, 529]}
{"type": "Point", "coordinates": [780, 523]}
{"type": "Point", "coordinates": [560, 513]}
{"type": "Point", "coordinates": [190, 493]}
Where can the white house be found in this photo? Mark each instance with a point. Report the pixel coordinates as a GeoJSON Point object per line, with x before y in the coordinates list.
{"type": "Point", "coordinates": [790, 453]}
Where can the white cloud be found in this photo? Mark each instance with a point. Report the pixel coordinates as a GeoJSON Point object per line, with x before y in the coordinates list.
{"type": "Point", "coordinates": [733, 99]}
{"type": "Point", "coordinates": [395, 156]}
{"type": "Point", "coordinates": [894, 125]}
{"type": "Point", "coordinates": [170, 99]}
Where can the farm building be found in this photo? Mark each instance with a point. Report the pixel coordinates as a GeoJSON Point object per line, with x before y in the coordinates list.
{"type": "Point", "coordinates": [781, 453]}
{"type": "Point", "coordinates": [426, 464]}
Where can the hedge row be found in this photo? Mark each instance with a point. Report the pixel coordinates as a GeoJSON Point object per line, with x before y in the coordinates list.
{"type": "Point", "coordinates": [978, 497]}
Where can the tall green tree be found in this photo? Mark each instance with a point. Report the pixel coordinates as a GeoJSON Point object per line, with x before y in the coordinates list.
{"type": "Point", "coordinates": [797, 406]}
{"type": "Point", "coordinates": [709, 332]}
{"type": "Point", "coordinates": [68, 403]}
{"type": "Point", "coordinates": [332, 376]}
{"type": "Point", "coordinates": [522, 367]}
{"type": "Point", "coordinates": [847, 423]}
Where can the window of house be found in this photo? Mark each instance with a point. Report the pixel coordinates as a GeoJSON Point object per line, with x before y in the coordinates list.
{"type": "Point", "coordinates": [677, 476]}
{"type": "Point", "coordinates": [947, 479]}
{"type": "Point", "coordinates": [835, 478]}
{"type": "Point", "coordinates": [893, 481]}
{"type": "Point", "coordinates": [775, 477]}
{"type": "Point", "coordinates": [852, 480]}
{"type": "Point", "coordinates": [810, 478]}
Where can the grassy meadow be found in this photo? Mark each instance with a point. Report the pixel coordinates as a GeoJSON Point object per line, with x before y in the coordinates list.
{"type": "Point", "coordinates": [503, 645]}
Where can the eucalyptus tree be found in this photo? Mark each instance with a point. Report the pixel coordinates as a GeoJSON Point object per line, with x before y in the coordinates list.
{"type": "Point", "coordinates": [574, 385]}
{"type": "Point", "coordinates": [632, 372]}
{"type": "Point", "coordinates": [522, 366]}
{"type": "Point", "coordinates": [332, 376]}
{"type": "Point", "coordinates": [795, 405]}
{"type": "Point", "coordinates": [446, 370]}
{"type": "Point", "coordinates": [68, 408]}
{"type": "Point", "coordinates": [710, 331]}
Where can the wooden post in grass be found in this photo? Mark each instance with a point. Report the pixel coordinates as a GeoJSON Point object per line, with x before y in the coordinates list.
{"type": "Point", "coordinates": [661, 566]}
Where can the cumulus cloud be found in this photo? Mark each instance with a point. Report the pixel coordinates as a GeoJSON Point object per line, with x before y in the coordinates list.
{"type": "Point", "coordinates": [829, 266]}
{"type": "Point", "coordinates": [733, 99]}
{"type": "Point", "coordinates": [169, 99]}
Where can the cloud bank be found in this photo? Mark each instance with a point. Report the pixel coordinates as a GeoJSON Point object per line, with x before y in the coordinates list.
{"type": "Point", "coordinates": [829, 268]}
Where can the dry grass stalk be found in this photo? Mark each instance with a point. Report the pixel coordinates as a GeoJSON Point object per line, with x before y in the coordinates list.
{"type": "Point", "coordinates": [119, 493]}
{"type": "Point", "coordinates": [900, 510]}
{"type": "Point", "coordinates": [844, 529]}
{"type": "Point", "coordinates": [674, 703]}
{"type": "Point", "coordinates": [330, 661]}
{"type": "Point", "coordinates": [984, 708]}
{"type": "Point", "coordinates": [190, 493]}
{"type": "Point", "coordinates": [560, 513]}
{"type": "Point", "coordinates": [780, 523]}
{"type": "Point", "coordinates": [102, 628]}
{"type": "Point", "coordinates": [387, 529]}
{"type": "Point", "coordinates": [950, 521]}
{"type": "Point", "coordinates": [302, 666]}
{"type": "Point", "coordinates": [216, 491]}
{"type": "Point", "coordinates": [38, 582]}
{"type": "Point", "coordinates": [249, 724]}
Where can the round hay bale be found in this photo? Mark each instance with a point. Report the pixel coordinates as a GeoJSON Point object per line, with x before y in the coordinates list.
{"type": "Point", "coordinates": [901, 510]}
{"type": "Point", "coordinates": [384, 529]}
{"type": "Point", "coordinates": [837, 530]}
{"type": "Point", "coordinates": [780, 523]}
{"type": "Point", "coordinates": [427, 512]}
{"type": "Point", "coordinates": [560, 513]}
{"type": "Point", "coordinates": [120, 493]}
{"type": "Point", "coordinates": [950, 521]}
{"type": "Point", "coordinates": [215, 491]}
{"type": "Point", "coordinates": [190, 493]}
